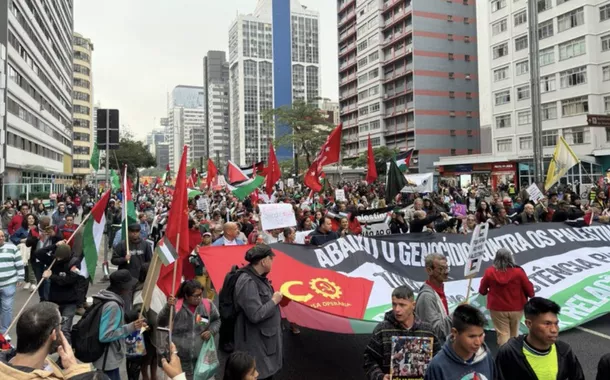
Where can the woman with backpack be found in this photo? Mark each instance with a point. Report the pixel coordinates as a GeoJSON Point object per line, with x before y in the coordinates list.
{"type": "Point", "coordinates": [196, 321]}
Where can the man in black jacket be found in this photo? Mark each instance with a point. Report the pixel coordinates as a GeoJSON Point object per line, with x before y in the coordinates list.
{"type": "Point", "coordinates": [63, 277]}
{"type": "Point", "coordinates": [139, 252]}
{"type": "Point", "coordinates": [538, 355]}
{"type": "Point", "coordinates": [420, 220]}
{"type": "Point", "coordinates": [399, 329]}
{"type": "Point", "coordinates": [324, 233]}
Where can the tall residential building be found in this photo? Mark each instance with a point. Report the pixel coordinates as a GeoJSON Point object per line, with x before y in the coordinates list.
{"type": "Point", "coordinates": [82, 108]}
{"type": "Point", "coordinates": [408, 77]}
{"type": "Point", "coordinates": [574, 54]}
{"type": "Point", "coordinates": [96, 107]}
{"type": "Point", "coordinates": [186, 111]}
{"type": "Point", "coordinates": [274, 60]}
{"type": "Point", "coordinates": [217, 124]}
{"type": "Point", "coordinates": [38, 93]}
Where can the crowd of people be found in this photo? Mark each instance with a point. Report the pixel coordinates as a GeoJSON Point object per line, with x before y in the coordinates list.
{"type": "Point", "coordinates": [246, 321]}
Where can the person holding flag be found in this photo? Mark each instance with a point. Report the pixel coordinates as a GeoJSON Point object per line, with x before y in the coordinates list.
{"type": "Point", "coordinates": [138, 253]}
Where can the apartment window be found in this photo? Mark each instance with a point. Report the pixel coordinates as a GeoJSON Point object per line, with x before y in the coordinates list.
{"type": "Point", "coordinates": [466, 20]}
{"type": "Point", "coordinates": [573, 77]}
{"type": "Point", "coordinates": [452, 133]}
{"type": "Point", "coordinates": [524, 117]}
{"type": "Point", "coordinates": [500, 50]}
{"type": "Point", "coordinates": [451, 113]}
{"type": "Point", "coordinates": [450, 56]}
{"type": "Point", "coordinates": [544, 5]}
{"type": "Point", "coordinates": [548, 111]}
{"type": "Point", "coordinates": [606, 73]}
{"type": "Point", "coordinates": [503, 121]}
{"type": "Point", "coordinates": [363, 111]}
{"type": "Point", "coordinates": [604, 12]}
{"type": "Point", "coordinates": [547, 56]}
{"type": "Point", "coordinates": [449, 18]}
{"type": "Point", "coordinates": [499, 27]}
{"type": "Point", "coordinates": [606, 43]}
{"type": "Point", "coordinates": [549, 138]}
{"type": "Point", "coordinates": [376, 124]}
{"type": "Point", "coordinates": [522, 68]}
{"type": "Point", "coordinates": [496, 5]}
{"type": "Point", "coordinates": [607, 104]}
{"type": "Point", "coordinates": [373, 90]}
{"type": "Point", "coordinates": [505, 145]}
{"type": "Point", "coordinates": [526, 143]}
{"type": "Point", "coordinates": [374, 108]}
{"type": "Point", "coordinates": [468, 114]}
{"type": "Point", "coordinates": [452, 94]}
{"type": "Point", "coordinates": [451, 75]}
{"type": "Point", "coordinates": [547, 83]}
{"type": "Point", "coordinates": [571, 19]}
{"type": "Point", "coordinates": [545, 29]}
{"type": "Point", "coordinates": [578, 135]}
{"type": "Point", "coordinates": [466, 76]}
{"type": "Point", "coordinates": [453, 152]}
{"type": "Point", "coordinates": [469, 95]}
{"type": "Point", "coordinates": [469, 132]}
{"type": "Point", "coordinates": [450, 37]}
{"type": "Point", "coordinates": [502, 97]}
{"type": "Point", "coordinates": [362, 62]}
{"type": "Point", "coordinates": [363, 95]}
{"type": "Point", "coordinates": [373, 74]}
{"type": "Point", "coordinates": [362, 45]}
{"type": "Point", "coordinates": [523, 92]}
{"type": "Point", "coordinates": [363, 78]}
{"type": "Point", "coordinates": [572, 48]}
{"type": "Point", "coordinates": [501, 74]}
{"type": "Point", "coordinates": [520, 18]}
{"type": "Point", "coordinates": [607, 134]}
{"type": "Point", "coordinates": [374, 56]}
{"type": "Point", "coordinates": [467, 58]}
{"type": "Point", "coordinates": [575, 106]}
{"type": "Point", "coordinates": [521, 43]}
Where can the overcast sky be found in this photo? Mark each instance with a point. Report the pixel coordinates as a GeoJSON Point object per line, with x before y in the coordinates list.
{"type": "Point", "coordinates": [144, 48]}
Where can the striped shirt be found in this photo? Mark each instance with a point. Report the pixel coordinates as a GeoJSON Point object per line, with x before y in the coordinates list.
{"type": "Point", "coordinates": [11, 265]}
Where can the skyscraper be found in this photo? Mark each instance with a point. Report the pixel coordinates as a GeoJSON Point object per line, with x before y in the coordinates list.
{"type": "Point", "coordinates": [186, 111]}
{"type": "Point", "coordinates": [216, 85]}
{"type": "Point", "coordinates": [38, 93]}
{"type": "Point", "coordinates": [82, 96]}
{"type": "Point", "coordinates": [408, 77]}
{"type": "Point", "coordinates": [274, 60]}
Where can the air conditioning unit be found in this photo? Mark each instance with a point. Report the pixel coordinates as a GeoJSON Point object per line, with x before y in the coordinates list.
{"type": "Point", "coordinates": [409, 50]}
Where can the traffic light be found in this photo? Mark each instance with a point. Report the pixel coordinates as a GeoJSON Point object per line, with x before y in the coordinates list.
{"type": "Point", "coordinates": [107, 125]}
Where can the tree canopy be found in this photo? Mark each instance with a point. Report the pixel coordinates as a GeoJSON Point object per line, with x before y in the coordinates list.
{"type": "Point", "coordinates": [382, 154]}
{"type": "Point", "coordinates": [130, 152]}
{"type": "Point", "coordinates": [310, 128]}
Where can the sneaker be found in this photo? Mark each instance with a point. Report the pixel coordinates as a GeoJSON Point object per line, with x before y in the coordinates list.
{"type": "Point", "coordinates": [27, 286]}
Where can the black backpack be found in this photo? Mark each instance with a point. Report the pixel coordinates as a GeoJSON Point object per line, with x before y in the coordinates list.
{"type": "Point", "coordinates": [226, 306]}
{"type": "Point", "coordinates": [85, 334]}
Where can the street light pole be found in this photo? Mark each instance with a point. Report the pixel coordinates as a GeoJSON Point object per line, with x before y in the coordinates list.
{"type": "Point", "coordinates": [535, 91]}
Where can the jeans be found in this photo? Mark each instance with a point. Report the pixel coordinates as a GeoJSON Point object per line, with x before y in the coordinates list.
{"type": "Point", "coordinates": [114, 374]}
{"type": "Point", "coordinates": [43, 291]}
{"type": "Point", "coordinates": [67, 311]}
{"type": "Point", "coordinates": [7, 298]}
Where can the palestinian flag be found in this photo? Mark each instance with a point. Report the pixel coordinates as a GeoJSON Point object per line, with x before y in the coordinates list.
{"type": "Point", "coordinates": [167, 176]}
{"type": "Point", "coordinates": [246, 188]}
{"type": "Point", "coordinates": [403, 160]}
{"type": "Point", "coordinates": [92, 237]}
{"type": "Point", "coordinates": [166, 251]}
{"type": "Point", "coordinates": [254, 169]}
{"type": "Point", "coordinates": [192, 193]}
{"type": "Point", "coordinates": [115, 181]}
{"type": "Point", "coordinates": [129, 208]}
{"type": "Point", "coordinates": [235, 174]}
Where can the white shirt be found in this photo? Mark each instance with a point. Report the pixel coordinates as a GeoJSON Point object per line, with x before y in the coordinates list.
{"type": "Point", "coordinates": [230, 242]}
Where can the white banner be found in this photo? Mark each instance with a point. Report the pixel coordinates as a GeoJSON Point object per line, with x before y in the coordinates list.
{"type": "Point", "coordinates": [419, 183]}
{"type": "Point", "coordinates": [277, 215]}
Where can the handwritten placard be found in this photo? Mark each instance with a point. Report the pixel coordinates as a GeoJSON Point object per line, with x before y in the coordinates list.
{"type": "Point", "coordinates": [277, 215]}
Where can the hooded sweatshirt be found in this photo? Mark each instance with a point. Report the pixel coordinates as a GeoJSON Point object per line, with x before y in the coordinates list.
{"type": "Point", "coordinates": [50, 372]}
{"type": "Point", "coordinates": [113, 330]}
{"type": "Point", "coordinates": [447, 365]}
{"type": "Point", "coordinates": [429, 307]}
{"type": "Point", "coordinates": [506, 290]}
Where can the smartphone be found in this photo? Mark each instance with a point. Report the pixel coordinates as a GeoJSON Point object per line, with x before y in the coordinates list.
{"type": "Point", "coordinates": [163, 347]}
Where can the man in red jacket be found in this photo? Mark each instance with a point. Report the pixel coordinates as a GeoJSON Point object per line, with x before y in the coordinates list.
{"type": "Point", "coordinates": [15, 223]}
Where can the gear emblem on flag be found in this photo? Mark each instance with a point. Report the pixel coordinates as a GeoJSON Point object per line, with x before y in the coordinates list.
{"type": "Point", "coordinates": [325, 288]}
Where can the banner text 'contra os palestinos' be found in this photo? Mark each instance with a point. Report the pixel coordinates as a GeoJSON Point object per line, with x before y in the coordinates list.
{"type": "Point", "coordinates": [568, 265]}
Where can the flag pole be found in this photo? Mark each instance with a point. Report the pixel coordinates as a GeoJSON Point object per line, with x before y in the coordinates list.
{"type": "Point", "coordinates": [35, 291]}
{"type": "Point", "coordinates": [124, 228]}
{"type": "Point", "coordinates": [175, 271]}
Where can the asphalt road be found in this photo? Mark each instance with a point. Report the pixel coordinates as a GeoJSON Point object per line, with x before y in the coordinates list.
{"type": "Point", "coordinates": [326, 356]}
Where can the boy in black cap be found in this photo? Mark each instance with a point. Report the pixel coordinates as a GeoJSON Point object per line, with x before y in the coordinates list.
{"type": "Point", "coordinates": [139, 253]}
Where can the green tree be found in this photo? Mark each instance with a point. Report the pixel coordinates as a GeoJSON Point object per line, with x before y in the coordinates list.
{"type": "Point", "coordinates": [132, 153]}
{"type": "Point", "coordinates": [309, 127]}
{"type": "Point", "coordinates": [382, 155]}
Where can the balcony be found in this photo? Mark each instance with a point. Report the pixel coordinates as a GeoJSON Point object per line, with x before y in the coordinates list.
{"type": "Point", "coordinates": [347, 18]}
{"type": "Point", "coordinates": [394, 55]}
{"type": "Point", "coordinates": [390, 95]}
{"type": "Point", "coordinates": [395, 38]}
{"type": "Point", "coordinates": [348, 94]}
{"type": "Point", "coordinates": [390, 5]}
{"type": "Point", "coordinates": [396, 74]}
{"type": "Point", "coordinates": [396, 18]}
{"type": "Point", "coordinates": [347, 64]}
{"type": "Point", "coordinates": [347, 34]}
{"type": "Point", "coordinates": [346, 5]}
{"type": "Point", "coordinates": [348, 79]}
{"type": "Point", "coordinates": [400, 129]}
{"type": "Point", "coordinates": [399, 110]}
{"type": "Point", "coordinates": [348, 49]}
{"type": "Point", "coordinates": [349, 109]}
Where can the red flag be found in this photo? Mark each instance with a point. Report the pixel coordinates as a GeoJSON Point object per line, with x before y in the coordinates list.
{"type": "Point", "coordinates": [235, 174]}
{"type": "Point", "coordinates": [273, 171]}
{"type": "Point", "coordinates": [194, 176]}
{"type": "Point", "coordinates": [177, 225]}
{"type": "Point", "coordinates": [212, 172]}
{"type": "Point", "coordinates": [371, 171]}
{"type": "Point", "coordinates": [312, 176]}
{"type": "Point", "coordinates": [331, 150]}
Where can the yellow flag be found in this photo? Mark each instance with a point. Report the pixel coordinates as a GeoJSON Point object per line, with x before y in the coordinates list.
{"type": "Point", "coordinates": [563, 160]}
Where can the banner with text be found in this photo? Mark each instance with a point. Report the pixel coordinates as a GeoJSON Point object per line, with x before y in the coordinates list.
{"type": "Point", "coordinates": [345, 286]}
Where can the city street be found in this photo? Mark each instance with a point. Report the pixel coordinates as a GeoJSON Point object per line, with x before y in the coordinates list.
{"type": "Point", "coordinates": [325, 356]}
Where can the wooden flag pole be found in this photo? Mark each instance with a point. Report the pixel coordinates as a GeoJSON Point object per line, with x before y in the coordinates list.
{"type": "Point", "coordinates": [149, 284]}
{"type": "Point", "coordinates": [173, 307]}
{"type": "Point", "coordinates": [42, 279]}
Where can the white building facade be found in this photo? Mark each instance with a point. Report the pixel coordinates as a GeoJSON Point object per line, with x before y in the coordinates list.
{"type": "Point", "coordinates": [186, 112]}
{"type": "Point", "coordinates": [574, 39]}
{"type": "Point", "coordinates": [251, 75]}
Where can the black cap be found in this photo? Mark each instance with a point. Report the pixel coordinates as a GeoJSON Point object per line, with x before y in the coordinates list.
{"type": "Point", "coordinates": [121, 279]}
{"type": "Point", "coordinates": [134, 227]}
{"type": "Point", "coordinates": [258, 252]}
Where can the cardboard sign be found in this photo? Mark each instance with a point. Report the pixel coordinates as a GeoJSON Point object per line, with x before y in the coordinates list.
{"type": "Point", "coordinates": [277, 215]}
{"type": "Point", "coordinates": [477, 250]}
{"type": "Point", "coordinates": [340, 195]}
{"type": "Point", "coordinates": [535, 193]}
{"type": "Point", "coordinates": [460, 209]}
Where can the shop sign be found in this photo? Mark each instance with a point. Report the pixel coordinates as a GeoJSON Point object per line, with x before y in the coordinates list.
{"type": "Point", "coordinates": [481, 167]}
{"type": "Point", "coordinates": [504, 167]}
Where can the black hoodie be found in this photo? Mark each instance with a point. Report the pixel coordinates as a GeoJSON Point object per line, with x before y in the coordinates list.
{"type": "Point", "coordinates": [511, 362]}
{"type": "Point", "coordinates": [378, 353]}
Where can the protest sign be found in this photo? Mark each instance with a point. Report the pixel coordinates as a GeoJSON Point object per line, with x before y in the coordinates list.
{"type": "Point", "coordinates": [339, 195]}
{"type": "Point", "coordinates": [535, 193]}
{"type": "Point", "coordinates": [345, 285]}
{"type": "Point", "coordinates": [460, 209]}
{"type": "Point", "coordinates": [477, 250]}
{"type": "Point", "coordinates": [277, 215]}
